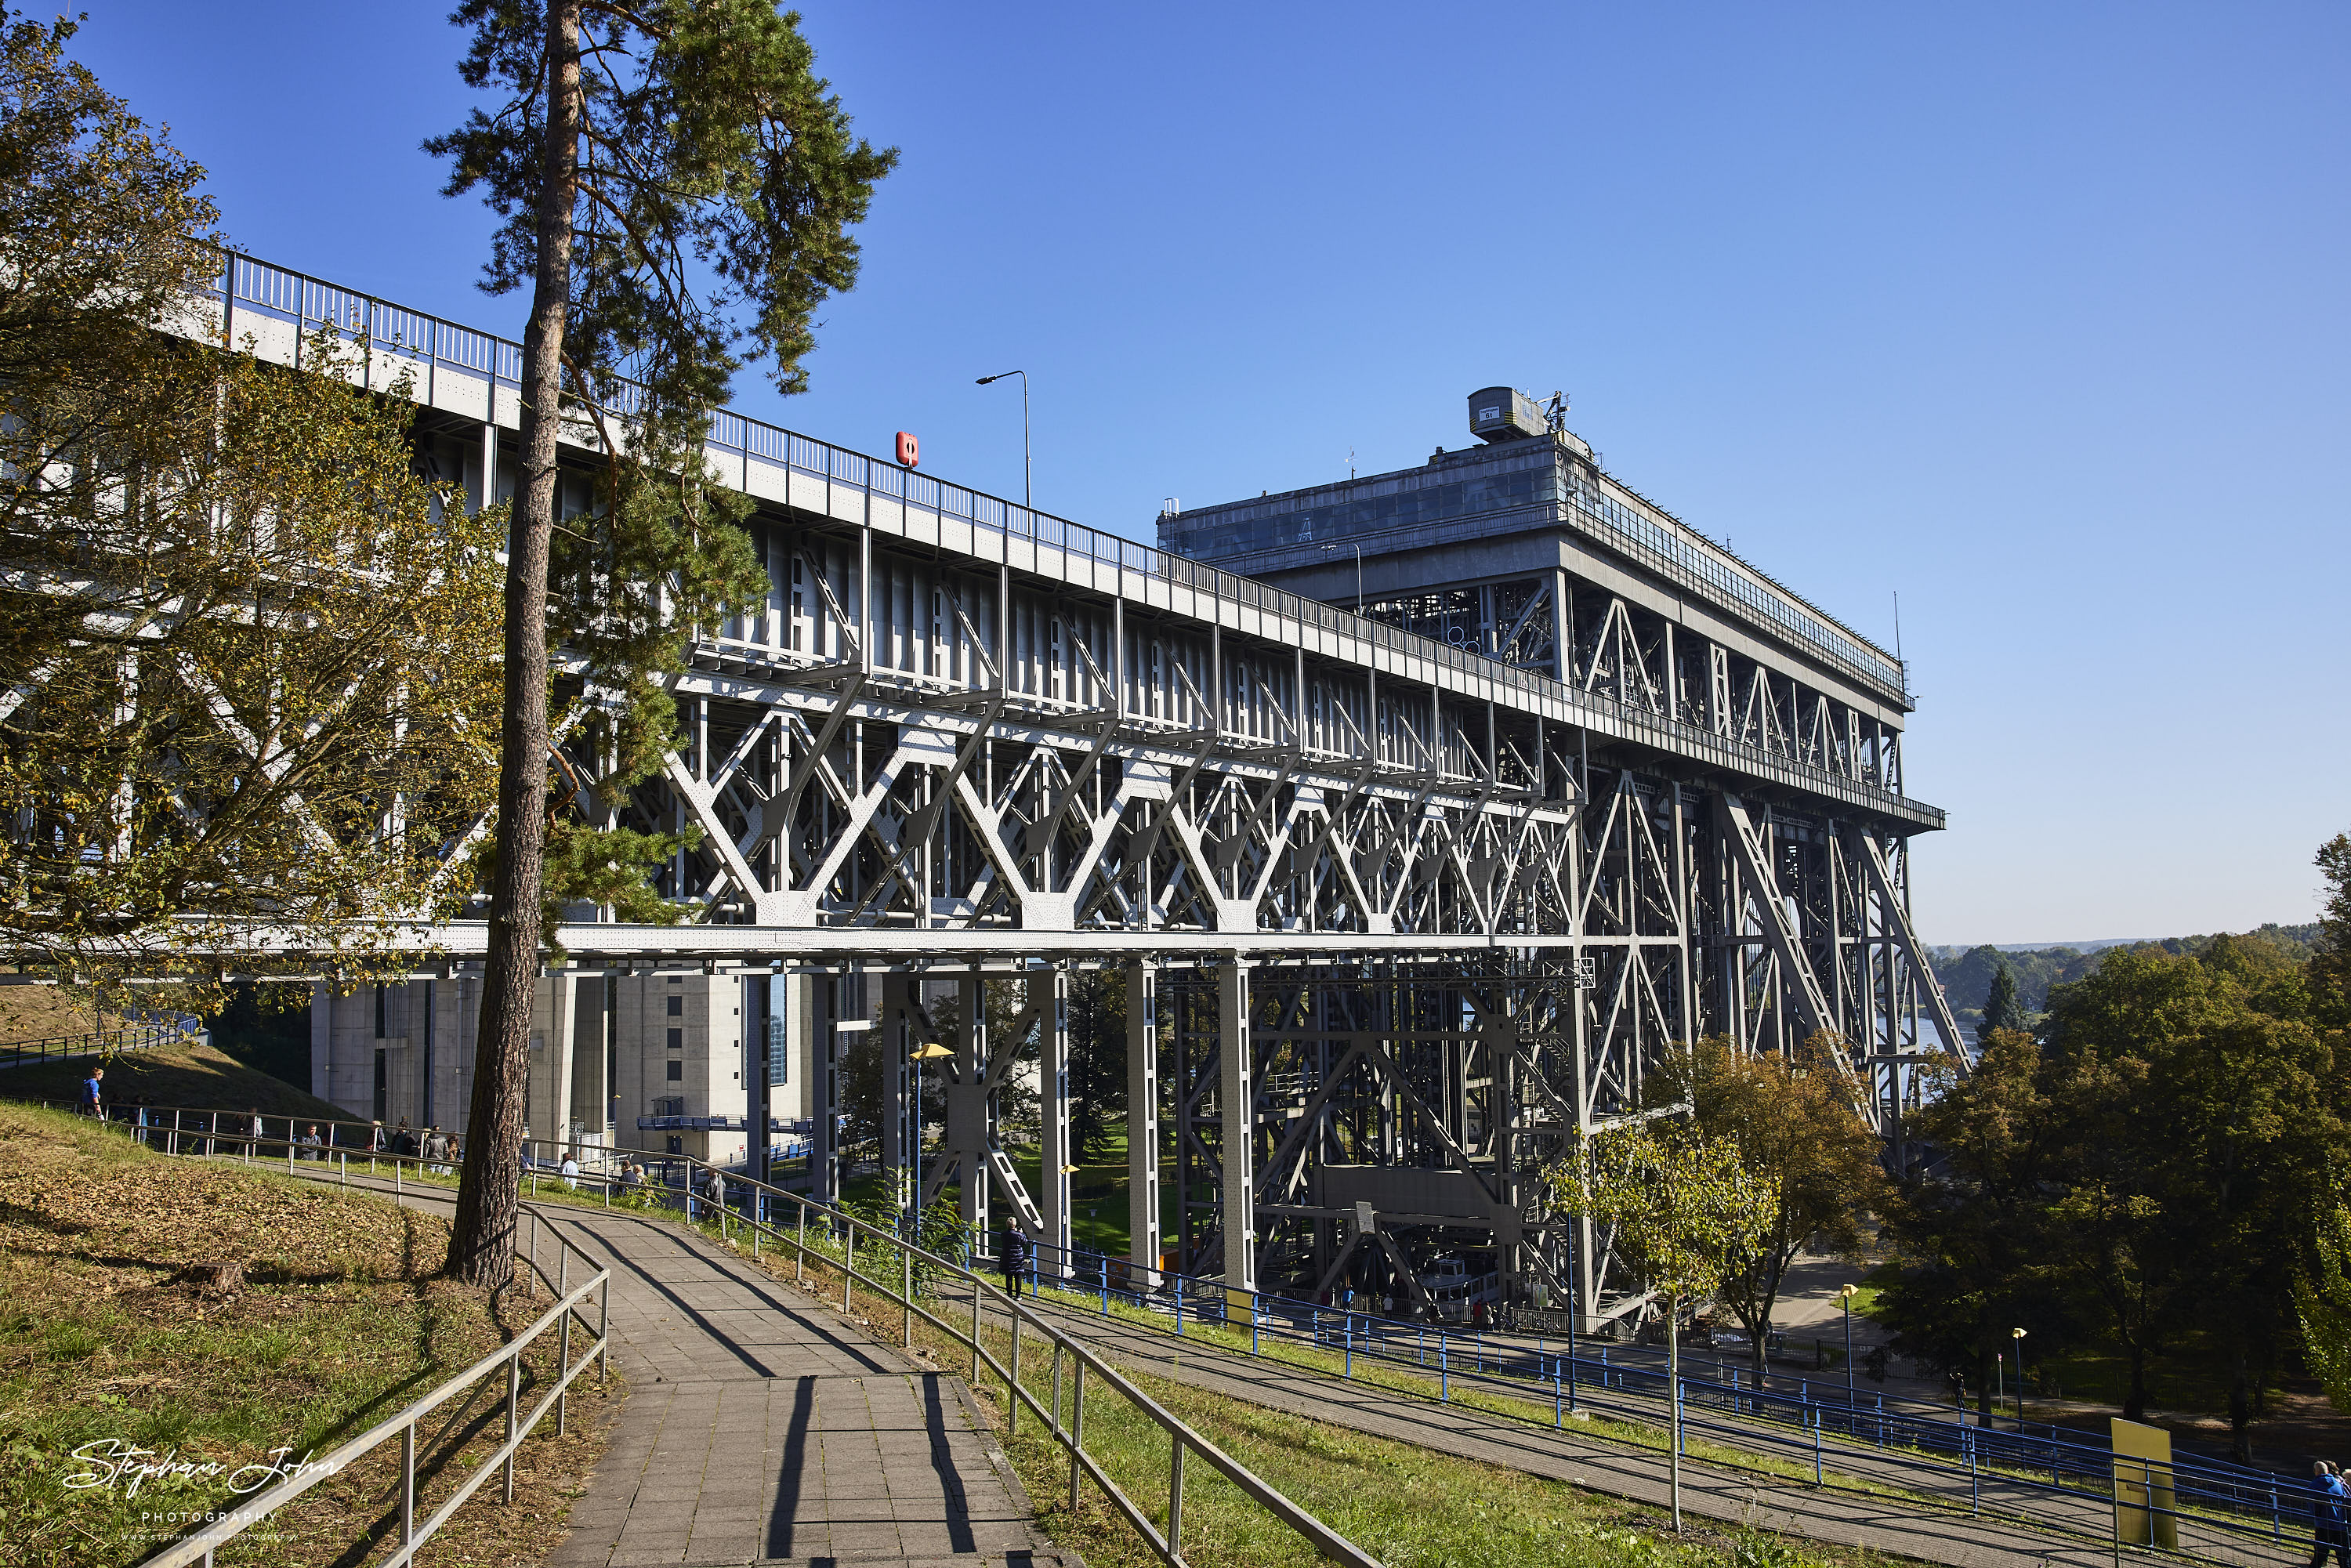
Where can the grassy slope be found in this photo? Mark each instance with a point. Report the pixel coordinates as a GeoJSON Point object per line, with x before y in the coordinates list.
{"type": "Point", "coordinates": [191, 1075]}
{"type": "Point", "coordinates": [1408, 1506]}
{"type": "Point", "coordinates": [101, 1338]}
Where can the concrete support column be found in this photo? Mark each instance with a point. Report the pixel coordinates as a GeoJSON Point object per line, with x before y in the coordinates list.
{"type": "Point", "coordinates": [561, 988]}
{"type": "Point", "coordinates": [758, 998]}
{"type": "Point", "coordinates": [1142, 1126]}
{"type": "Point", "coordinates": [824, 1087]}
{"type": "Point", "coordinates": [900, 1148]}
{"type": "Point", "coordinates": [1053, 1096]}
{"type": "Point", "coordinates": [967, 1105]}
{"type": "Point", "coordinates": [1236, 1104]}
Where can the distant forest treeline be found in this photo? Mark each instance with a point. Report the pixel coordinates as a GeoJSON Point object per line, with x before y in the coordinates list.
{"type": "Point", "coordinates": [1966, 972]}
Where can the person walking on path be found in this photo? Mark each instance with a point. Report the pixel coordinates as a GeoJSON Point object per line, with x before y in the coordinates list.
{"type": "Point", "coordinates": [377, 1143]}
{"type": "Point", "coordinates": [1014, 1248]}
{"type": "Point", "coordinates": [93, 1094]}
{"type": "Point", "coordinates": [313, 1143]}
{"type": "Point", "coordinates": [2327, 1531]}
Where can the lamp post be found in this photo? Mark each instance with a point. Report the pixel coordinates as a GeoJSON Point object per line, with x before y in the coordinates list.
{"type": "Point", "coordinates": [2018, 1336]}
{"type": "Point", "coordinates": [931, 1052]}
{"type": "Point", "coordinates": [1845, 1298]}
{"type": "Point", "coordinates": [1359, 574]}
{"type": "Point", "coordinates": [1025, 495]}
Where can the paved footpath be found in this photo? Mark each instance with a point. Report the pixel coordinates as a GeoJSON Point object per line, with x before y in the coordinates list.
{"type": "Point", "coordinates": [758, 1429]}
{"type": "Point", "coordinates": [1767, 1502]}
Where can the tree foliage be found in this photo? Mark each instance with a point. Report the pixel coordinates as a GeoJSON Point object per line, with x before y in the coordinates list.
{"type": "Point", "coordinates": [253, 650]}
{"type": "Point", "coordinates": [2144, 1178]}
{"type": "Point", "coordinates": [2001, 1007]}
{"type": "Point", "coordinates": [676, 185]}
{"type": "Point", "coordinates": [1795, 1129]}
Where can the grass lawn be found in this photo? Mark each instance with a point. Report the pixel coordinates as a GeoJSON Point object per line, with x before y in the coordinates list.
{"type": "Point", "coordinates": [107, 1339]}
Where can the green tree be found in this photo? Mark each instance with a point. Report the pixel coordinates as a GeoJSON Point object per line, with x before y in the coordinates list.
{"type": "Point", "coordinates": [677, 186]}
{"type": "Point", "coordinates": [2001, 1009]}
{"type": "Point", "coordinates": [1680, 1209]}
{"type": "Point", "coordinates": [252, 653]}
{"type": "Point", "coordinates": [2211, 1114]}
{"type": "Point", "coordinates": [1969, 1242]}
{"type": "Point", "coordinates": [1797, 1131]}
{"type": "Point", "coordinates": [2330, 968]}
{"type": "Point", "coordinates": [2322, 1297]}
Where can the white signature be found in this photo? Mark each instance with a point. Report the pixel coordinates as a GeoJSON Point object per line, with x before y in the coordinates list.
{"type": "Point", "coordinates": [110, 1461]}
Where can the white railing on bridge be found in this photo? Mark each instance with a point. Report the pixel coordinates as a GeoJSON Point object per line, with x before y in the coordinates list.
{"type": "Point", "coordinates": [431, 347]}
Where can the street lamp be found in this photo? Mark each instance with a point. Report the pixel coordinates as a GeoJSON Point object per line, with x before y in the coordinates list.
{"type": "Point", "coordinates": [999, 376]}
{"type": "Point", "coordinates": [1359, 574]}
{"type": "Point", "coordinates": [931, 1052]}
{"type": "Point", "coordinates": [1845, 1297]}
{"type": "Point", "coordinates": [2018, 1335]}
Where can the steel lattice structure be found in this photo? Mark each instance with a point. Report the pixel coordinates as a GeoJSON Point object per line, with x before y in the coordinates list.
{"type": "Point", "coordinates": [1421, 910]}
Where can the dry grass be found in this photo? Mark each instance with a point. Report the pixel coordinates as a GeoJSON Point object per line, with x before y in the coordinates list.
{"type": "Point", "coordinates": [110, 1336]}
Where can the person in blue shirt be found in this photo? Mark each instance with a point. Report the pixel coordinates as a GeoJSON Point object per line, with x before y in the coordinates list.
{"type": "Point", "coordinates": [2327, 1498]}
{"type": "Point", "coordinates": [93, 1092]}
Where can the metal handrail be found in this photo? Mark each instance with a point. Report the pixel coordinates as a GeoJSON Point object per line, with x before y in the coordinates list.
{"type": "Point", "coordinates": [246, 282]}
{"type": "Point", "coordinates": [201, 1546]}
{"type": "Point", "coordinates": [93, 1042]}
{"type": "Point", "coordinates": [1183, 1439]}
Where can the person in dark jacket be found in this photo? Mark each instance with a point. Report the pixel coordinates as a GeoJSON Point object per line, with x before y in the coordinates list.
{"type": "Point", "coordinates": [404, 1142]}
{"type": "Point", "coordinates": [1014, 1251]}
{"type": "Point", "coordinates": [2327, 1531]}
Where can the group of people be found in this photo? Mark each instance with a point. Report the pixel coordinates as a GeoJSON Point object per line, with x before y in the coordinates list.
{"type": "Point", "coordinates": [440, 1150]}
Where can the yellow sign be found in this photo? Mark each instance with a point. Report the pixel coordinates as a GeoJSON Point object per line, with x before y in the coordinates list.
{"type": "Point", "coordinates": [2143, 1501]}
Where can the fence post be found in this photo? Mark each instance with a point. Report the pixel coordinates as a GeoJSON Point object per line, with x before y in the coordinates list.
{"type": "Point", "coordinates": [1444, 1376]}
{"type": "Point", "coordinates": [1176, 1499]}
{"type": "Point", "coordinates": [563, 1359]}
{"type": "Point", "coordinates": [800, 1250]}
{"type": "Point", "coordinates": [604, 1330]}
{"type": "Point", "coordinates": [408, 1483]}
{"type": "Point", "coordinates": [906, 1290]}
{"type": "Point", "coordinates": [1077, 1427]}
{"type": "Point", "coordinates": [1053, 1428]}
{"type": "Point", "coordinates": [514, 1409]}
{"type": "Point", "coordinates": [848, 1266]}
{"type": "Point", "coordinates": [1558, 1405]}
{"type": "Point", "coordinates": [1012, 1377]}
{"type": "Point", "coordinates": [975, 1327]}
{"type": "Point", "coordinates": [1816, 1424]}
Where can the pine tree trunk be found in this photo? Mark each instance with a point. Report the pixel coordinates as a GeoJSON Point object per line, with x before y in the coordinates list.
{"type": "Point", "coordinates": [481, 1244]}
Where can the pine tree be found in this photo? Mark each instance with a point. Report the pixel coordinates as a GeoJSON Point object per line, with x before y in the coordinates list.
{"type": "Point", "coordinates": [2001, 1009]}
{"type": "Point", "coordinates": [676, 182]}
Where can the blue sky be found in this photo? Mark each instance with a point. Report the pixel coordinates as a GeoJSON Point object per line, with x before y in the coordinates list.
{"type": "Point", "coordinates": [2034, 314]}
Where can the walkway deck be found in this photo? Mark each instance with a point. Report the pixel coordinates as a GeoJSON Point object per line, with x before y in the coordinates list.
{"type": "Point", "coordinates": [760, 1429]}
